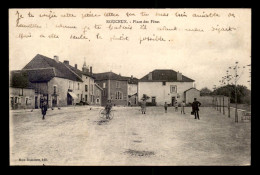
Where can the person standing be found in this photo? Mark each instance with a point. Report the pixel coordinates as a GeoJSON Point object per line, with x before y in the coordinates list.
{"type": "Point", "coordinates": [143, 106]}
{"type": "Point", "coordinates": [165, 107]}
{"type": "Point", "coordinates": [195, 108]}
{"type": "Point", "coordinates": [182, 107]}
{"type": "Point", "coordinates": [44, 109]}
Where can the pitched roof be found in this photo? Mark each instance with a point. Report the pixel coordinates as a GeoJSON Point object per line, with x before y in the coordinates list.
{"type": "Point", "coordinates": [99, 87]}
{"type": "Point", "coordinates": [79, 72]}
{"type": "Point", "coordinates": [165, 75]}
{"type": "Point", "coordinates": [190, 89]}
{"type": "Point", "coordinates": [20, 79]}
{"type": "Point", "coordinates": [133, 80]}
{"type": "Point", "coordinates": [38, 75]}
{"type": "Point", "coordinates": [114, 76]}
{"type": "Point", "coordinates": [59, 69]}
{"type": "Point", "coordinates": [110, 76]}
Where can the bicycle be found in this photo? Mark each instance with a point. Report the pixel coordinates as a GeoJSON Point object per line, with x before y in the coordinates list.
{"type": "Point", "coordinates": [103, 114]}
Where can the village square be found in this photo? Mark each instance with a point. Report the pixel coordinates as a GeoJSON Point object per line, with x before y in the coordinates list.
{"type": "Point", "coordinates": [74, 132]}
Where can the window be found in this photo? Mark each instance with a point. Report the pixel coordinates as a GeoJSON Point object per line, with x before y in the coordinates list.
{"type": "Point", "coordinates": [104, 85]}
{"type": "Point", "coordinates": [21, 92]}
{"type": "Point", "coordinates": [86, 98]}
{"type": "Point", "coordinates": [97, 100]}
{"type": "Point", "coordinates": [173, 89]}
{"type": "Point", "coordinates": [78, 86]}
{"type": "Point", "coordinates": [119, 95]}
{"type": "Point", "coordinates": [15, 100]}
{"type": "Point", "coordinates": [117, 84]}
{"type": "Point", "coordinates": [86, 88]}
{"type": "Point", "coordinates": [81, 97]}
{"type": "Point", "coordinates": [153, 99]}
{"type": "Point", "coordinates": [164, 83]}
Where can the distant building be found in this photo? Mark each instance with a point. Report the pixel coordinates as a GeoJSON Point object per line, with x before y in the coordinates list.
{"type": "Point", "coordinates": [132, 91]}
{"type": "Point", "coordinates": [116, 88]}
{"type": "Point", "coordinates": [164, 85]}
{"type": "Point", "coordinates": [88, 86]}
{"type": "Point", "coordinates": [190, 94]}
{"type": "Point", "coordinates": [59, 83]}
{"type": "Point", "coordinates": [21, 91]}
{"type": "Point", "coordinates": [97, 94]}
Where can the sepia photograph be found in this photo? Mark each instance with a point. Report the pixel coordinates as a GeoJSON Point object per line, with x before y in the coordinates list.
{"type": "Point", "coordinates": [129, 87]}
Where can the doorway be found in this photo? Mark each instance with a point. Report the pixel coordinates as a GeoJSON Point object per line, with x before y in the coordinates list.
{"type": "Point", "coordinates": [69, 99]}
{"type": "Point", "coordinates": [54, 101]}
{"type": "Point", "coordinates": [173, 100]}
{"type": "Point", "coordinates": [36, 102]}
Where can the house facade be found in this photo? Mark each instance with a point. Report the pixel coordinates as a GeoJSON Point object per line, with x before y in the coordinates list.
{"type": "Point", "coordinates": [97, 94]}
{"type": "Point", "coordinates": [88, 87]}
{"type": "Point", "coordinates": [164, 85]}
{"type": "Point", "coordinates": [115, 88]}
{"type": "Point", "coordinates": [59, 83]}
{"type": "Point", "coordinates": [21, 92]}
{"type": "Point", "coordinates": [190, 94]}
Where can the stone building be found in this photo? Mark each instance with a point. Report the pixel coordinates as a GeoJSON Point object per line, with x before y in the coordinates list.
{"type": "Point", "coordinates": [164, 85]}
{"type": "Point", "coordinates": [58, 82]}
{"type": "Point", "coordinates": [116, 88]}
{"type": "Point", "coordinates": [21, 91]}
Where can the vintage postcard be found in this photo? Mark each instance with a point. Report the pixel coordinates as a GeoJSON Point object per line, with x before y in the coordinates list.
{"type": "Point", "coordinates": [114, 87]}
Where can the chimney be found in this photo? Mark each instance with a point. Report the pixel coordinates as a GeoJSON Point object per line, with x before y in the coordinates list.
{"type": "Point", "coordinates": [76, 66]}
{"type": "Point", "coordinates": [90, 69]}
{"type": "Point", "coordinates": [179, 76]}
{"type": "Point", "coordinates": [150, 76]}
{"type": "Point", "coordinates": [132, 77]}
{"type": "Point", "coordinates": [66, 62]}
{"type": "Point", "coordinates": [56, 58]}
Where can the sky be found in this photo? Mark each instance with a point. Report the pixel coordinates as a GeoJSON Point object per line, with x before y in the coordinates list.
{"type": "Point", "coordinates": [201, 56]}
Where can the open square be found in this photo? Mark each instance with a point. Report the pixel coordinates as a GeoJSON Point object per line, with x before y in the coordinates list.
{"type": "Point", "coordinates": [76, 136]}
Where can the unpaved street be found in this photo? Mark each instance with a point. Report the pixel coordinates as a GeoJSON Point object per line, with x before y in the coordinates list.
{"type": "Point", "coordinates": [75, 136]}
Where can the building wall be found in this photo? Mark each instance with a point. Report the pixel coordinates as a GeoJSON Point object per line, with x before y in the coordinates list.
{"type": "Point", "coordinates": [104, 93]}
{"type": "Point", "coordinates": [132, 89]}
{"type": "Point", "coordinates": [21, 95]}
{"type": "Point", "coordinates": [190, 95]}
{"type": "Point", "coordinates": [90, 89]}
{"type": "Point", "coordinates": [213, 100]}
{"type": "Point", "coordinates": [98, 95]}
{"type": "Point", "coordinates": [162, 92]}
{"type": "Point", "coordinates": [123, 88]}
{"type": "Point", "coordinates": [62, 87]}
{"type": "Point", "coordinates": [110, 93]}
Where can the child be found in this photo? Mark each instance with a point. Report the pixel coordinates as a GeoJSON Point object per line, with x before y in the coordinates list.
{"type": "Point", "coordinates": [165, 107]}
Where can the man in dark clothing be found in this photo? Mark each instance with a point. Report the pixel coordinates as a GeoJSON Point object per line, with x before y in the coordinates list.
{"type": "Point", "coordinates": [195, 108]}
{"type": "Point", "coordinates": [44, 109]}
{"type": "Point", "coordinates": [108, 108]}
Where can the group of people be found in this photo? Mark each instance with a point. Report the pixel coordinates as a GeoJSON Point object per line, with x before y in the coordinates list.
{"type": "Point", "coordinates": [195, 107]}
